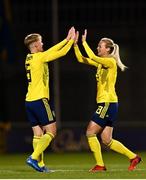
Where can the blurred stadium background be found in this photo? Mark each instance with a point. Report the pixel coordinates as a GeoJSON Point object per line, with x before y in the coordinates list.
{"type": "Point", "coordinates": [73, 84]}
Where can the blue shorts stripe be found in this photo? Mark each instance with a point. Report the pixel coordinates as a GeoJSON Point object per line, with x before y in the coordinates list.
{"type": "Point", "coordinates": [48, 109]}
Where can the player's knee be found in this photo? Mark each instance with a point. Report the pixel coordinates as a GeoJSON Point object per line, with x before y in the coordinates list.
{"type": "Point", "coordinates": [106, 141]}
{"type": "Point", "coordinates": [90, 132]}
{"type": "Point", "coordinates": [52, 133]}
{"type": "Point", "coordinates": [38, 132]}
{"type": "Point", "coordinates": [51, 128]}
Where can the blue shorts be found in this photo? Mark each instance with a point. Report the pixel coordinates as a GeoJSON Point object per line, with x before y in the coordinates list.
{"type": "Point", "coordinates": [106, 114]}
{"type": "Point", "coordinates": [40, 112]}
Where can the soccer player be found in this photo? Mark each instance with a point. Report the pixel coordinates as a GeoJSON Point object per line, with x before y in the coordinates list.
{"type": "Point", "coordinates": [104, 117]}
{"type": "Point", "coordinates": [38, 107]}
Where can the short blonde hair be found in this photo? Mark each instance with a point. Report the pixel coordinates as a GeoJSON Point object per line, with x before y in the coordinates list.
{"type": "Point", "coordinates": [31, 38]}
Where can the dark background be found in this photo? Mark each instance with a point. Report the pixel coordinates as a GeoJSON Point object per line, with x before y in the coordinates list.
{"type": "Point", "coordinates": [73, 84]}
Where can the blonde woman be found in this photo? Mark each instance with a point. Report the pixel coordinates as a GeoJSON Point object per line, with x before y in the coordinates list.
{"type": "Point", "coordinates": [103, 119]}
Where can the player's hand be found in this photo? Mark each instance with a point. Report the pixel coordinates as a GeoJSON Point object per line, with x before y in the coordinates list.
{"type": "Point", "coordinates": [76, 38]}
{"type": "Point", "coordinates": [70, 33]}
{"type": "Point", "coordinates": [84, 35]}
{"type": "Point", "coordinates": [73, 34]}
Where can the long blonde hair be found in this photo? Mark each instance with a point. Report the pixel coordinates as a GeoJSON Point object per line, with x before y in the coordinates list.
{"type": "Point", "coordinates": [114, 52]}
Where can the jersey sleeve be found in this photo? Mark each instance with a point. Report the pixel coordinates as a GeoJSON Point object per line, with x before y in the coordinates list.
{"type": "Point", "coordinates": [58, 46]}
{"type": "Point", "coordinates": [107, 62]}
{"type": "Point", "coordinates": [83, 59]}
{"type": "Point", "coordinates": [88, 50]}
{"type": "Point", "coordinates": [52, 55]}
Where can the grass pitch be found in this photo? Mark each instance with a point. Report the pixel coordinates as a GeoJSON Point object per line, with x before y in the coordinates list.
{"type": "Point", "coordinates": [71, 166]}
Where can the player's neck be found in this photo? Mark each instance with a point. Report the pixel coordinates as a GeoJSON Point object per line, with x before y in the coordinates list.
{"type": "Point", "coordinates": [34, 50]}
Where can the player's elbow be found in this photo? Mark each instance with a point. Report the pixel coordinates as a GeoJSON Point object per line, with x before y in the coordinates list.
{"type": "Point", "coordinates": [80, 60]}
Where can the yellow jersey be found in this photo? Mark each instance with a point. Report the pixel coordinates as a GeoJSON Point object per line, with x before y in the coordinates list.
{"type": "Point", "coordinates": [106, 73]}
{"type": "Point", "coordinates": [38, 72]}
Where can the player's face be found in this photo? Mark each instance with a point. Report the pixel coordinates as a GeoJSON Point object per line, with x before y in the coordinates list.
{"type": "Point", "coordinates": [102, 50]}
{"type": "Point", "coordinates": [39, 45]}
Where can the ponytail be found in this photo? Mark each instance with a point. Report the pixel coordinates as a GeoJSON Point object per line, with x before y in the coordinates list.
{"type": "Point", "coordinates": [116, 55]}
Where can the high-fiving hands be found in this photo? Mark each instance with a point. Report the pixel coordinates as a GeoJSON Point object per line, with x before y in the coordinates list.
{"type": "Point", "coordinates": [71, 34]}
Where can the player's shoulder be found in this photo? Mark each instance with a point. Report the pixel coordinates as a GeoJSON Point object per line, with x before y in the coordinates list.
{"type": "Point", "coordinates": [29, 57]}
{"type": "Point", "coordinates": [37, 56]}
{"type": "Point", "coordinates": [112, 60]}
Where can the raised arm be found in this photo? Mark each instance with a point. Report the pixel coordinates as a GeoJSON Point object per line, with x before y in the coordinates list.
{"type": "Point", "coordinates": [105, 61]}
{"type": "Point", "coordinates": [78, 54]}
{"type": "Point", "coordinates": [52, 55]}
{"type": "Point", "coordinates": [58, 46]}
{"type": "Point", "coordinates": [62, 43]}
{"type": "Point", "coordinates": [89, 52]}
